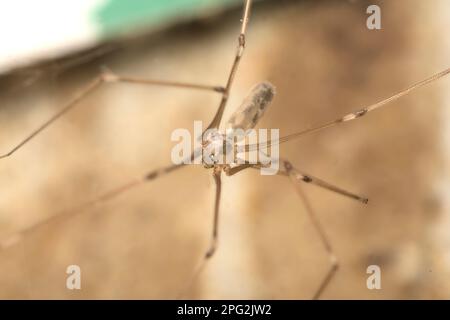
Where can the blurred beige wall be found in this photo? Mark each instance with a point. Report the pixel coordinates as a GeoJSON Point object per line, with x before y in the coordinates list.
{"type": "Point", "coordinates": [146, 243]}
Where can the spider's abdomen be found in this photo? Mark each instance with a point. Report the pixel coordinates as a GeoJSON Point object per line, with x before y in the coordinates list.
{"type": "Point", "coordinates": [253, 107]}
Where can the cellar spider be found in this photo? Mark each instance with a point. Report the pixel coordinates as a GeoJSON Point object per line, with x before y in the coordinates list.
{"type": "Point", "coordinates": [288, 170]}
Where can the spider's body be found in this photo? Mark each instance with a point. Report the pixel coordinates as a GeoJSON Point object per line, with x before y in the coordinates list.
{"type": "Point", "coordinates": [219, 149]}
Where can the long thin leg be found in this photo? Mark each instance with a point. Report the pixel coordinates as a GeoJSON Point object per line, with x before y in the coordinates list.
{"type": "Point", "coordinates": [239, 168]}
{"type": "Point", "coordinates": [301, 177]}
{"type": "Point", "coordinates": [109, 76]}
{"type": "Point", "coordinates": [105, 77]}
{"type": "Point", "coordinates": [94, 84]}
{"type": "Point", "coordinates": [293, 174]}
{"type": "Point", "coordinates": [296, 174]}
{"type": "Point", "coordinates": [350, 116]}
{"type": "Point", "coordinates": [214, 236]}
{"type": "Point", "coordinates": [213, 245]}
{"type": "Point", "coordinates": [334, 263]}
{"type": "Point", "coordinates": [239, 52]}
{"type": "Point", "coordinates": [72, 212]}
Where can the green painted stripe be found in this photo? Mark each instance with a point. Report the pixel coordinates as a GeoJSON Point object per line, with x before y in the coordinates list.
{"type": "Point", "coordinates": [121, 16]}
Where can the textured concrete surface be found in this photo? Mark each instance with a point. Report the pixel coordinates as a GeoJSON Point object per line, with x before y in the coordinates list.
{"type": "Point", "coordinates": [146, 243]}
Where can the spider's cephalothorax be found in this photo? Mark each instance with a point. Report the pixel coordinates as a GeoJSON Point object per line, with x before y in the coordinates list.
{"type": "Point", "coordinates": [215, 148]}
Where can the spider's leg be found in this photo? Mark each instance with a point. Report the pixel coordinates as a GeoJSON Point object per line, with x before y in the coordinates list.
{"type": "Point", "coordinates": [334, 263]}
{"type": "Point", "coordinates": [299, 176]}
{"type": "Point", "coordinates": [150, 176]}
{"type": "Point", "coordinates": [296, 178]}
{"type": "Point", "coordinates": [237, 58]}
{"type": "Point", "coordinates": [105, 77]}
{"type": "Point", "coordinates": [350, 116]}
{"type": "Point", "coordinates": [214, 236]}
